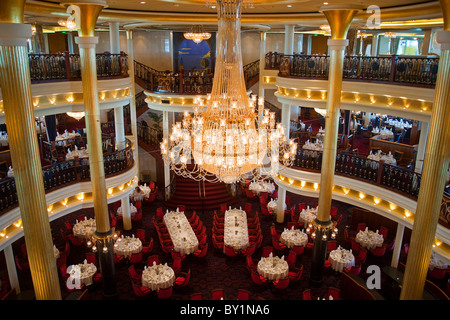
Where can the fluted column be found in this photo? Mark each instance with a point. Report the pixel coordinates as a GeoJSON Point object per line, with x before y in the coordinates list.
{"type": "Point", "coordinates": [397, 245]}
{"type": "Point", "coordinates": [289, 39]}
{"type": "Point", "coordinates": [339, 20]}
{"type": "Point", "coordinates": [262, 62]}
{"type": "Point", "coordinates": [286, 118]}
{"type": "Point", "coordinates": [133, 118]}
{"type": "Point", "coordinates": [19, 115]}
{"type": "Point", "coordinates": [437, 156]}
{"type": "Point", "coordinates": [126, 213]}
{"type": "Point", "coordinates": [281, 201]}
{"type": "Point", "coordinates": [166, 165]}
{"type": "Point", "coordinates": [11, 267]}
{"type": "Point", "coordinates": [87, 41]}
{"type": "Point", "coordinates": [119, 127]}
{"type": "Point", "coordinates": [114, 38]}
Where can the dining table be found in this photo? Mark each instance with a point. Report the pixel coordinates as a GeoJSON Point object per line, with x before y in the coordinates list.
{"type": "Point", "coordinates": [273, 267]}
{"type": "Point", "coordinates": [158, 276]}
{"type": "Point", "coordinates": [236, 229]}
{"type": "Point", "coordinates": [84, 229]}
{"type": "Point", "coordinates": [307, 215]}
{"type": "Point", "coordinates": [341, 258]}
{"type": "Point", "coordinates": [379, 155]}
{"type": "Point", "coordinates": [4, 140]}
{"type": "Point", "coordinates": [126, 246]}
{"type": "Point", "coordinates": [259, 186]}
{"type": "Point", "coordinates": [181, 233]}
{"type": "Point", "coordinates": [294, 237]}
{"type": "Point", "coordinates": [369, 239]}
{"type": "Point", "coordinates": [77, 153]}
{"type": "Point", "coordinates": [82, 273]}
{"type": "Point", "coordinates": [273, 204]}
{"type": "Point", "coordinates": [133, 210]}
{"type": "Point", "coordinates": [140, 193]}
{"type": "Point", "coordinates": [437, 263]}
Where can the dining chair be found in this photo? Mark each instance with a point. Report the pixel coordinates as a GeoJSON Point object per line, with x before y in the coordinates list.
{"type": "Point", "coordinates": [306, 295]}
{"type": "Point", "coordinates": [281, 284]}
{"type": "Point", "coordinates": [267, 251]}
{"type": "Point", "coordinates": [183, 278]}
{"type": "Point", "coordinates": [165, 293]}
{"type": "Point", "coordinates": [243, 294]}
{"type": "Point", "coordinates": [151, 259]}
{"type": "Point", "coordinates": [196, 296]}
{"type": "Point", "coordinates": [295, 274]}
{"type": "Point", "coordinates": [257, 279]}
{"type": "Point", "coordinates": [217, 294]}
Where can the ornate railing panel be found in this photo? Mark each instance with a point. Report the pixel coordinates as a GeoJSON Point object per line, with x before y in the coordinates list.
{"type": "Point", "coordinates": [65, 66]}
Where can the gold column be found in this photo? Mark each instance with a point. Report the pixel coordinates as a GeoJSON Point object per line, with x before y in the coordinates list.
{"type": "Point", "coordinates": [86, 40]}
{"type": "Point", "coordinates": [339, 19]}
{"type": "Point", "coordinates": [433, 174]}
{"type": "Point", "coordinates": [130, 49]}
{"type": "Point", "coordinates": [19, 115]}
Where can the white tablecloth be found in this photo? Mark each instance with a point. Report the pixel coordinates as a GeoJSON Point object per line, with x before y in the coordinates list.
{"type": "Point", "coordinates": [341, 259]}
{"type": "Point", "coordinates": [81, 154]}
{"type": "Point", "coordinates": [307, 215]}
{"type": "Point", "coordinates": [10, 173]}
{"type": "Point", "coordinates": [82, 273]}
{"type": "Point", "coordinates": [61, 139]}
{"type": "Point", "coordinates": [436, 263]}
{"type": "Point", "coordinates": [261, 186]}
{"type": "Point", "coordinates": [272, 205]}
{"type": "Point", "coordinates": [158, 276]}
{"type": "Point", "coordinates": [183, 237]}
{"type": "Point", "coordinates": [273, 268]}
{"type": "Point", "coordinates": [293, 237]}
{"type": "Point", "coordinates": [141, 193]}
{"type": "Point", "coordinates": [318, 146]}
{"type": "Point", "coordinates": [235, 229]}
{"type": "Point", "coordinates": [84, 229]}
{"type": "Point", "coordinates": [369, 239]}
{"type": "Point", "coordinates": [4, 142]}
{"type": "Point", "coordinates": [133, 210]}
{"type": "Point", "coordinates": [388, 158]}
{"type": "Point", "coordinates": [126, 246]}
{"type": "Point", "coordinates": [383, 133]}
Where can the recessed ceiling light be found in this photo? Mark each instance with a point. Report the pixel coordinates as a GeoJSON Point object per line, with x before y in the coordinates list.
{"type": "Point", "coordinates": [325, 3]}
{"type": "Point", "coordinates": [289, 5]}
{"type": "Point", "coordinates": [143, 2]}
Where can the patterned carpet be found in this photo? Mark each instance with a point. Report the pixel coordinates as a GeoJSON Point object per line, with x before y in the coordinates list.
{"type": "Point", "coordinates": [211, 272]}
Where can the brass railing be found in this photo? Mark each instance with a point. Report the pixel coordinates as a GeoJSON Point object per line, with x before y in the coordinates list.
{"type": "Point", "coordinates": [417, 71]}
{"type": "Point", "coordinates": [66, 66]}
{"type": "Point", "coordinates": [63, 173]}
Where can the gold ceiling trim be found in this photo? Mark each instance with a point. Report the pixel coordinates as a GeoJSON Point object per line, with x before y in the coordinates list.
{"type": "Point", "coordinates": [421, 11]}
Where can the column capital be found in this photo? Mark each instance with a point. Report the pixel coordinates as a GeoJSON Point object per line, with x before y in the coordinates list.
{"type": "Point", "coordinates": [443, 38]}
{"type": "Point", "coordinates": [14, 34]}
{"type": "Point", "coordinates": [337, 44]}
{"type": "Point", "coordinates": [339, 19]}
{"type": "Point", "coordinates": [85, 13]}
{"type": "Point", "coordinates": [12, 11]}
{"type": "Point", "coordinates": [86, 42]}
{"type": "Point", "coordinates": [445, 5]}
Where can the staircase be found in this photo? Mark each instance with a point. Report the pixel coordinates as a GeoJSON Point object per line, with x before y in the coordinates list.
{"type": "Point", "coordinates": [197, 195]}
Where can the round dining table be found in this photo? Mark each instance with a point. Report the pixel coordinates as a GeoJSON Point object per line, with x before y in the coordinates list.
{"type": "Point", "coordinates": [273, 267]}
{"type": "Point", "coordinates": [308, 215]}
{"type": "Point", "coordinates": [272, 205]}
{"type": "Point", "coordinates": [126, 246]}
{"type": "Point", "coordinates": [158, 276]}
{"type": "Point", "coordinates": [369, 239]}
{"type": "Point", "coordinates": [341, 258]}
{"type": "Point", "coordinates": [261, 186]}
{"type": "Point", "coordinates": [81, 273]}
{"type": "Point", "coordinates": [84, 229]}
{"type": "Point", "coordinates": [293, 237]}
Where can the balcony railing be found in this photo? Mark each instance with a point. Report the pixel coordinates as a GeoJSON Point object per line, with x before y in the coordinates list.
{"type": "Point", "coordinates": [197, 82]}
{"type": "Point", "coordinates": [416, 71]}
{"type": "Point", "coordinates": [66, 66]}
{"type": "Point", "coordinates": [64, 173]}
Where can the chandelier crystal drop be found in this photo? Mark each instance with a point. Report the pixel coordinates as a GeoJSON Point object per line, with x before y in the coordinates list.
{"type": "Point", "coordinates": [76, 115]}
{"type": "Point", "coordinates": [226, 137]}
{"type": "Point", "coordinates": [197, 34]}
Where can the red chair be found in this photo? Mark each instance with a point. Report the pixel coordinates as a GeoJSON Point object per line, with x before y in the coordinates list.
{"type": "Point", "coordinates": [152, 186]}
{"type": "Point", "coordinates": [384, 232]}
{"type": "Point", "coordinates": [281, 284]}
{"type": "Point", "coordinates": [140, 233]}
{"type": "Point", "coordinates": [295, 274]}
{"type": "Point", "coordinates": [137, 217]}
{"type": "Point", "coordinates": [251, 265]}
{"type": "Point", "coordinates": [165, 293]}
{"type": "Point", "coordinates": [361, 257]}
{"type": "Point", "coordinates": [193, 217]}
{"type": "Point", "coordinates": [75, 241]}
{"type": "Point", "coordinates": [306, 295]}
{"type": "Point", "coordinates": [299, 250]}
{"type": "Point", "coordinates": [378, 251]}
{"type": "Point", "coordinates": [250, 250]}
{"type": "Point", "coordinates": [176, 265]}
{"type": "Point", "coordinates": [217, 244]}
{"type": "Point", "coordinates": [257, 240]}
{"type": "Point", "coordinates": [159, 214]}
{"type": "Point", "coordinates": [135, 258]}
{"type": "Point", "coordinates": [69, 226]}
{"type": "Point", "coordinates": [147, 249]}
{"type": "Point", "coordinates": [140, 291]}
{"type": "Point", "coordinates": [248, 208]}
{"type": "Point", "coordinates": [201, 252]}
{"type": "Point", "coordinates": [118, 259]}
{"type": "Point", "coordinates": [291, 259]}
{"type": "Point", "coordinates": [333, 212]}
{"type": "Point", "coordinates": [91, 258]}
{"type": "Point", "coordinates": [62, 260]}
{"type": "Point", "coordinates": [331, 245]}
{"type": "Point", "coordinates": [196, 296]}
{"type": "Point", "coordinates": [182, 280]}
{"type": "Point", "coordinates": [177, 254]}
{"type": "Point", "coordinates": [181, 208]}
{"type": "Point", "coordinates": [267, 251]}
{"type": "Point", "coordinates": [63, 272]}
{"type": "Point", "coordinates": [301, 207]}
{"type": "Point", "coordinates": [223, 208]}
{"type": "Point", "coordinates": [134, 275]}
{"type": "Point", "coordinates": [356, 269]}
{"type": "Point", "coordinates": [334, 292]}
{"type": "Point", "coordinates": [243, 295]}
{"type": "Point", "coordinates": [257, 279]}
{"type": "Point", "coordinates": [217, 294]}
{"type": "Point", "coordinates": [82, 217]}
{"type": "Point", "coordinates": [249, 194]}
{"type": "Point", "coordinates": [138, 205]}
{"type": "Point", "coordinates": [361, 227]}
{"type": "Point", "coordinates": [356, 247]}
{"type": "Point", "coordinates": [437, 274]}
{"type": "Point", "coordinates": [229, 251]}
{"type": "Point", "coordinates": [265, 212]}
{"type": "Point", "coordinates": [151, 259]}
{"type": "Point", "coordinates": [277, 245]}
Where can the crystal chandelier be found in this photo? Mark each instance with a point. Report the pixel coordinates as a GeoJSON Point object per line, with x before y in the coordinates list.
{"type": "Point", "coordinates": [322, 112]}
{"type": "Point", "coordinates": [76, 115]}
{"type": "Point", "coordinates": [229, 141]}
{"type": "Point", "coordinates": [69, 24]}
{"type": "Point", "coordinates": [197, 34]}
